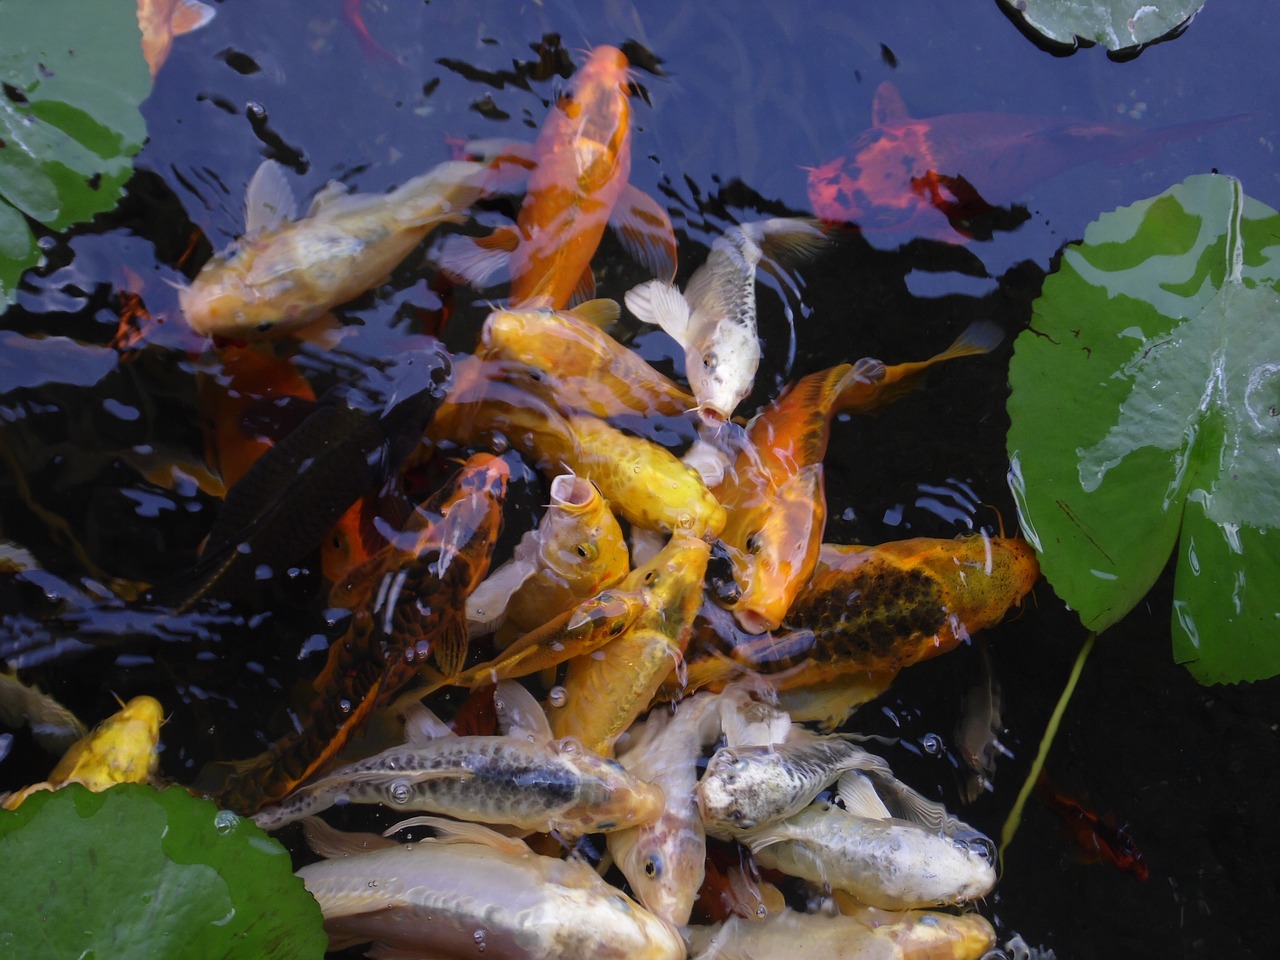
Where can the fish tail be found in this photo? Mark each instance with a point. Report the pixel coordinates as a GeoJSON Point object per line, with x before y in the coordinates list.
{"type": "Point", "coordinates": [981, 336]}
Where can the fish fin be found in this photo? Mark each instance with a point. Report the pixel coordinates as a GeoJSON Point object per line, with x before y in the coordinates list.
{"type": "Point", "coordinates": [663, 305]}
{"type": "Point", "coordinates": [509, 164]}
{"type": "Point", "coordinates": [441, 195]}
{"type": "Point", "coordinates": [584, 291]}
{"type": "Point", "coordinates": [421, 726]}
{"type": "Point", "coordinates": [859, 796]}
{"type": "Point", "coordinates": [904, 803]}
{"type": "Point", "coordinates": [786, 241]}
{"type": "Point", "coordinates": [601, 313]}
{"type": "Point", "coordinates": [190, 15]}
{"type": "Point", "coordinates": [329, 194]}
{"type": "Point", "coordinates": [487, 603]}
{"type": "Point", "coordinates": [477, 260]}
{"type": "Point", "coordinates": [981, 336]}
{"type": "Point", "coordinates": [331, 843]}
{"type": "Point", "coordinates": [519, 714]}
{"type": "Point", "coordinates": [645, 231]}
{"type": "Point", "coordinates": [458, 831]}
{"type": "Point", "coordinates": [888, 107]}
{"type": "Point", "coordinates": [268, 200]}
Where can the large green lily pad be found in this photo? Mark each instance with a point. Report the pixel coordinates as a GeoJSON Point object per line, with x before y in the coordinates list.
{"type": "Point", "coordinates": [136, 872]}
{"type": "Point", "coordinates": [1116, 24]}
{"type": "Point", "coordinates": [71, 79]}
{"type": "Point", "coordinates": [1146, 417]}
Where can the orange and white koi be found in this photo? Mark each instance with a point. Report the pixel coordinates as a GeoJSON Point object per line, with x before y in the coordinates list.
{"type": "Point", "coordinates": [580, 165]}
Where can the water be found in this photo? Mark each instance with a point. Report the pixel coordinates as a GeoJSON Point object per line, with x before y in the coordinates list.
{"type": "Point", "coordinates": [749, 93]}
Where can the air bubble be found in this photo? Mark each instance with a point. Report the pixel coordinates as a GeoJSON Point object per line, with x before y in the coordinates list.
{"type": "Point", "coordinates": [558, 696]}
{"type": "Point", "coordinates": [225, 822]}
{"type": "Point", "coordinates": [932, 744]}
{"type": "Point", "coordinates": [344, 706]}
{"type": "Point", "coordinates": [478, 937]}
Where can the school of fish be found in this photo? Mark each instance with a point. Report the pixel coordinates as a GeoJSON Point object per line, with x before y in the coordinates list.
{"type": "Point", "coordinates": [640, 694]}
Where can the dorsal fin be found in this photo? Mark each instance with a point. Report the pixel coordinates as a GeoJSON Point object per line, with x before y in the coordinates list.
{"type": "Point", "coordinates": [601, 312]}
{"type": "Point", "coordinates": [859, 796]}
{"type": "Point", "coordinates": [887, 107]}
{"type": "Point", "coordinates": [268, 201]}
{"type": "Point", "coordinates": [421, 725]}
{"type": "Point", "coordinates": [519, 714]}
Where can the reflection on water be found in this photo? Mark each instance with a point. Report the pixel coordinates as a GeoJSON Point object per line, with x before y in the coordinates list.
{"type": "Point", "coordinates": [732, 105]}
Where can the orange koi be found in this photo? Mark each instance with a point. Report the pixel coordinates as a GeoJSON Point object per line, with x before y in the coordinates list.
{"type": "Point", "coordinates": [1098, 836]}
{"type": "Point", "coordinates": [579, 167]}
{"type": "Point", "coordinates": [408, 614]}
{"type": "Point", "coordinates": [941, 177]}
{"type": "Point", "coordinates": [773, 494]}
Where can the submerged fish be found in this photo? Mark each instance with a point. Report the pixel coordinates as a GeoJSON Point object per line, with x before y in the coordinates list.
{"type": "Point", "coordinates": [286, 272]}
{"type": "Point", "coordinates": [773, 493]}
{"type": "Point", "coordinates": [714, 320]}
{"type": "Point", "coordinates": [576, 551]}
{"type": "Point", "coordinates": [54, 727]}
{"type": "Point", "coordinates": [579, 168]}
{"type": "Point", "coordinates": [522, 778]}
{"type": "Point", "coordinates": [121, 749]}
{"type": "Point", "coordinates": [162, 20]}
{"type": "Point", "coordinates": [934, 176]}
{"type": "Point", "coordinates": [1098, 836]}
{"type": "Point", "coordinates": [866, 935]}
{"type": "Point", "coordinates": [408, 616]}
{"type": "Point", "coordinates": [471, 891]}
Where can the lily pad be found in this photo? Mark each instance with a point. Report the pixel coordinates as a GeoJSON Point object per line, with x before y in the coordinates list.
{"type": "Point", "coordinates": [1145, 416]}
{"type": "Point", "coordinates": [1116, 24]}
{"type": "Point", "coordinates": [70, 86]}
{"type": "Point", "coordinates": [136, 872]}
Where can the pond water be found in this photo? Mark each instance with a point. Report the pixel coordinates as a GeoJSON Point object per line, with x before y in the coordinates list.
{"type": "Point", "coordinates": [736, 100]}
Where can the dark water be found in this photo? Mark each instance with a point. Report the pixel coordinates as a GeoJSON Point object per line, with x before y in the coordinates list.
{"type": "Point", "coordinates": [741, 97]}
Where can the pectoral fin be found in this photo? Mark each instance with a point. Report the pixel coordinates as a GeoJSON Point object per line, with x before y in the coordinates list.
{"type": "Point", "coordinates": [645, 231]}
{"type": "Point", "coordinates": [519, 714]}
{"type": "Point", "coordinates": [457, 831]}
{"type": "Point", "coordinates": [663, 305]}
{"type": "Point", "coordinates": [477, 260]}
{"type": "Point", "coordinates": [487, 604]}
{"type": "Point", "coordinates": [859, 796]}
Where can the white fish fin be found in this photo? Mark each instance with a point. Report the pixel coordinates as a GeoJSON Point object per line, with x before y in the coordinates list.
{"type": "Point", "coordinates": [331, 843]}
{"type": "Point", "coordinates": [645, 545]}
{"type": "Point", "coordinates": [601, 313]}
{"type": "Point", "coordinates": [190, 15]}
{"type": "Point", "coordinates": [749, 715]}
{"type": "Point", "coordinates": [457, 831]}
{"type": "Point", "coordinates": [421, 726]}
{"type": "Point", "coordinates": [888, 107]}
{"type": "Point", "coordinates": [487, 604]}
{"type": "Point", "coordinates": [905, 804]}
{"type": "Point", "coordinates": [519, 714]}
{"type": "Point", "coordinates": [786, 241]}
{"type": "Point", "coordinates": [268, 201]}
{"type": "Point", "coordinates": [477, 260]}
{"type": "Point", "coordinates": [330, 194]}
{"type": "Point", "coordinates": [859, 796]}
{"type": "Point", "coordinates": [662, 304]}
{"type": "Point", "coordinates": [645, 231]}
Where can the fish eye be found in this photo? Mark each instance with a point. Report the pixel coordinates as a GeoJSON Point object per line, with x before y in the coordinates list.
{"type": "Point", "coordinates": [754, 542]}
{"type": "Point", "coordinates": [587, 550]}
{"type": "Point", "coordinates": [649, 577]}
{"type": "Point", "coordinates": [652, 867]}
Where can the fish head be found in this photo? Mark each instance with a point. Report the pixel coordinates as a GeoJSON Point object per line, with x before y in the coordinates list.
{"type": "Point", "coordinates": [664, 863]}
{"type": "Point", "coordinates": [121, 749]}
{"type": "Point", "coordinates": [872, 186]}
{"type": "Point", "coordinates": [726, 800]}
{"type": "Point", "coordinates": [672, 581]}
{"type": "Point", "coordinates": [579, 539]}
{"type": "Point", "coordinates": [611, 797]}
{"type": "Point", "coordinates": [221, 300]}
{"type": "Point", "coordinates": [722, 371]}
{"type": "Point", "coordinates": [773, 544]}
{"type": "Point", "coordinates": [591, 124]}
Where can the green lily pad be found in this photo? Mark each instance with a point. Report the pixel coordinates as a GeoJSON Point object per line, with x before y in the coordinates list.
{"type": "Point", "coordinates": [70, 86]}
{"type": "Point", "coordinates": [1145, 416]}
{"type": "Point", "coordinates": [136, 872]}
{"type": "Point", "coordinates": [1116, 24]}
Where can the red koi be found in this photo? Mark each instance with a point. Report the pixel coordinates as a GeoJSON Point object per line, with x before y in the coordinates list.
{"type": "Point", "coordinates": [1098, 836]}
{"type": "Point", "coordinates": [578, 172]}
{"type": "Point", "coordinates": [935, 176]}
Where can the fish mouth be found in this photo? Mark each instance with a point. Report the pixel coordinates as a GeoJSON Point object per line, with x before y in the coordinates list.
{"type": "Point", "coordinates": [752, 622]}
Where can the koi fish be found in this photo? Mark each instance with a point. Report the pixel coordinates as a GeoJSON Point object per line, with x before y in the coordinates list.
{"type": "Point", "coordinates": [773, 493]}
{"type": "Point", "coordinates": [579, 167]}
{"type": "Point", "coordinates": [54, 727]}
{"type": "Point", "coordinates": [292, 495]}
{"type": "Point", "coordinates": [604, 693]}
{"type": "Point", "coordinates": [714, 320]}
{"type": "Point", "coordinates": [913, 935]}
{"type": "Point", "coordinates": [521, 778]}
{"type": "Point", "coordinates": [285, 272]}
{"type": "Point", "coordinates": [887, 861]}
{"type": "Point", "coordinates": [664, 862]}
{"type": "Point", "coordinates": [1098, 836]}
{"type": "Point", "coordinates": [121, 749]}
{"type": "Point", "coordinates": [933, 177]}
{"type": "Point", "coordinates": [868, 612]}
{"type": "Point", "coordinates": [470, 889]}
{"type": "Point", "coordinates": [645, 483]}
{"type": "Point", "coordinates": [977, 736]}
{"type": "Point", "coordinates": [408, 614]}
{"type": "Point", "coordinates": [588, 371]}
{"type": "Point", "coordinates": [162, 20]}
{"type": "Point", "coordinates": [576, 551]}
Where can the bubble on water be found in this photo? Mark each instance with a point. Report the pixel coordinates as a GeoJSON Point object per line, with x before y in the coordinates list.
{"type": "Point", "coordinates": [225, 822]}
{"type": "Point", "coordinates": [373, 884]}
{"type": "Point", "coordinates": [344, 706]}
{"type": "Point", "coordinates": [558, 696]}
{"type": "Point", "coordinates": [932, 744]}
{"type": "Point", "coordinates": [399, 792]}
{"type": "Point", "coordinates": [478, 937]}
